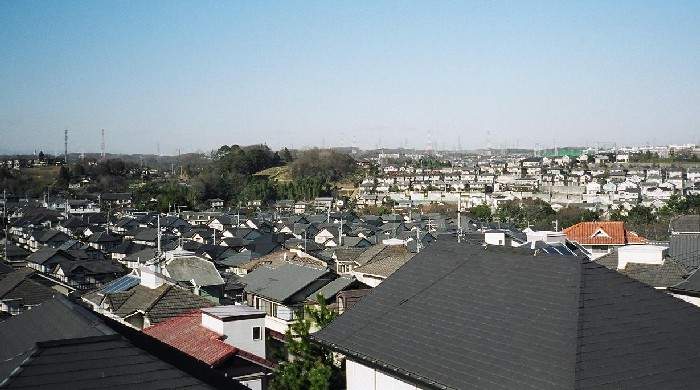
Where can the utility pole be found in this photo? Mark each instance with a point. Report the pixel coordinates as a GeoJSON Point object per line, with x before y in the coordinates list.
{"type": "Point", "coordinates": [340, 236]}
{"type": "Point", "coordinates": [418, 240]}
{"type": "Point", "coordinates": [4, 218]}
{"type": "Point", "coordinates": [158, 235]}
{"type": "Point", "coordinates": [459, 217]}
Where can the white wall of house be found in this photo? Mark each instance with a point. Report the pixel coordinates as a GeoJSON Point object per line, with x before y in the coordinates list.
{"type": "Point", "coordinates": [370, 280]}
{"type": "Point", "coordinates": [547, 236]}
{"type": "Point", "coordinates": [239, 332]}
{"type": "Point", "coordinates": [277, 324]}
{"type": "Point", "coordinates": [252, 384]}
{"type": "Point", "coordinates": [643, 254]}
{"type": "Point", "coordinates": [498, 238]}
{"type": "Point", "coordinates": [361, 377]}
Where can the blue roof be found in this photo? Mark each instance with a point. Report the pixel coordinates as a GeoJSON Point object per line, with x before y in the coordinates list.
{"type": "Point", "coordinates": [122, 284]}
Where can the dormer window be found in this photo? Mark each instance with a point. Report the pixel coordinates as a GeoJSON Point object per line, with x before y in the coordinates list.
{"type": "Point", "coordinates": [600, 233]}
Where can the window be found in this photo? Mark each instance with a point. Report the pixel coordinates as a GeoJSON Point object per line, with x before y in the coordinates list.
{"type": "Point", "coordinates": [257, 333]}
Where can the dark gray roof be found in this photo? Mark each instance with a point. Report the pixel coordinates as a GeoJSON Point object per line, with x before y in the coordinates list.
{"type": "Point", "coordinates": [97, 362]}
{"type": "Point", "coordinates": [459, 316]}
{"type": "Point", "coordinates": [93, 267]}
{"type": "Point", "coordinates": [669, 273]}
{"type": "Point", "coordinates": [5, 269]}
{"type": "Point", "coordinates": [690, 286]}
{"type": "Point", "coordinates": [685, 248]}
{"type": "Point", "coordinates": [331, 289]}
{"type": "Point", "coordinates": [609, 260]}
{"type": "Point", "coordinates": [281, 283]}
{"type": "Point", "coordinates": [45, 254]}
{"type": "Point", "coordinates": [52, 320]}
{"type": "Point", "coordinates": [103, 237]}
{"type": "Point", "coordinates": [686, 224]}
{"type": "Point", "coordinates": [142, 256]}
{"type": "Point", "coordinates": [17, 286]}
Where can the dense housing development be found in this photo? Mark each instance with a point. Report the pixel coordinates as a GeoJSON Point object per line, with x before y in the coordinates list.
{"type": "Point", "coordinates": [426, 294]}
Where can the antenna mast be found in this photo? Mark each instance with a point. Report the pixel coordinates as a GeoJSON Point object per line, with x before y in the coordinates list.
{"type": "Point", "coordinates": [65, 150]}
{"type": "Point", "coordinates": [102, 145]}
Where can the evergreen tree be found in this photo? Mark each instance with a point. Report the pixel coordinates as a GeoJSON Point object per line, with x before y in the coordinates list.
{"type": "Point", "coordinates": [310, 366]}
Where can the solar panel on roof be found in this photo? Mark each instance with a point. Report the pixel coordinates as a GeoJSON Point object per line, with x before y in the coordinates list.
{"type": "Point", "coordinates": [122, 284]}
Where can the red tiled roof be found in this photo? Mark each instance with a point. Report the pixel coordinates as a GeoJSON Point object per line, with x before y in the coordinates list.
{"type": "Point", "coordinates": [615, 234]}
{"type": "Point", "coordinates": [277, 335]}
{"type": "Point", "coordinates": [187, 334]}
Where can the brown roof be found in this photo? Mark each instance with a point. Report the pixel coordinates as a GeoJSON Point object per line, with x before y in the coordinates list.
{"type": "Point", "coordinates": [602, 233]}
{"type": "Point", "coordinates": [382, 259]}
{"type": "Point", "coordinates": [159, 304]}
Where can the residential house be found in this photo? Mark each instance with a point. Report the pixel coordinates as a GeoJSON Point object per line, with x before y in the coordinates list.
{"type": "Point", "coordinates": [101, 362]}
{"type": "Point", "coordinates": [118, 199]}
{"type": "Point", "coordinates": [54, 319]}
{"type": "Point", "coordinates": [376, 263]}
{"type": "Point", "coordinates": [45, 259]}
{"type": "Point", "coordinates": [684, 241]}
{"type": "Point", "coordinates": [87, 275]}
{"type": "Point", "coordinates": [18, 292]}
{"type": "Point", "coordinates": [198, 274]}
{"type": "Point", "coordinates": [222, 222]}
{"type": "Point", "coordinates": [142, 301]}
{"type": "Point", "coordinates": [103, 241]}
{"type": "Point", "coordinates": [282, 291]}
{"type": "Point", "coordinates": [599, 238]}
{"type": "Point", "coordinates": [229, 339]}
{"type": "Point", "coordinates": [574, 323]}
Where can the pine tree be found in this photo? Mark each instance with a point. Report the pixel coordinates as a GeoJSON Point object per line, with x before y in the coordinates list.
{"type": "Point", "coordinates": [310, 366]}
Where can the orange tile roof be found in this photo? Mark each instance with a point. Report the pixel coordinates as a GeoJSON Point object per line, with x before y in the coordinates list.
{"type": "Point", "coordinates": [615, 234]}
{"type": "Point", "coordinates": [187, 334]}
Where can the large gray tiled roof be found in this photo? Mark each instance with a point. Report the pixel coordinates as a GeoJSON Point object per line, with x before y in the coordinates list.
{"type": "Point", "coordinates": [686, 224]}
{"type": "Point", "coordinates": [52, 320]}
{"type": "Point", "coordinates": [382, 259]}
{"type": "Point", "coordinates": [158, 304]}
{"type": "Point", "coordinates": [468, 317]}
{"type": "Point", "coordinates": [281, 283]}
{"type": "Point", "coordinates": [685, 248]}
{"type": "Point", "coordinates": [187, 268]}
{"type": "Point", "coordinates": [669, 273]}
{"type": "Point", "coordinates": [19, 287]}
{"type": "Point", "coordinates": [98, 362]}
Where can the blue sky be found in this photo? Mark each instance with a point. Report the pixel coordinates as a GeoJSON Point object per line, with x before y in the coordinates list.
{"type": "Point", "coordinates": [194, 75]}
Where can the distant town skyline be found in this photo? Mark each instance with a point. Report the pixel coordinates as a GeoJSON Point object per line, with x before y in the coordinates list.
{"type": "Point", "coordinates": [164, 76]}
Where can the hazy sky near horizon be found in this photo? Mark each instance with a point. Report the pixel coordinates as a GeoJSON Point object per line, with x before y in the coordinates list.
{"type": "Point", "coordinates": [195, 75]}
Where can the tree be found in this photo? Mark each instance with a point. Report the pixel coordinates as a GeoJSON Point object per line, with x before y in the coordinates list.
{"type": "Point", "coordinates": [570, 216]}
{"type": "Point", "coordinates": [311, 365]}
{"type": "Point", "coordinates": [482, 213]}
{"type": "Point", "coordinates": [286, 156]}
